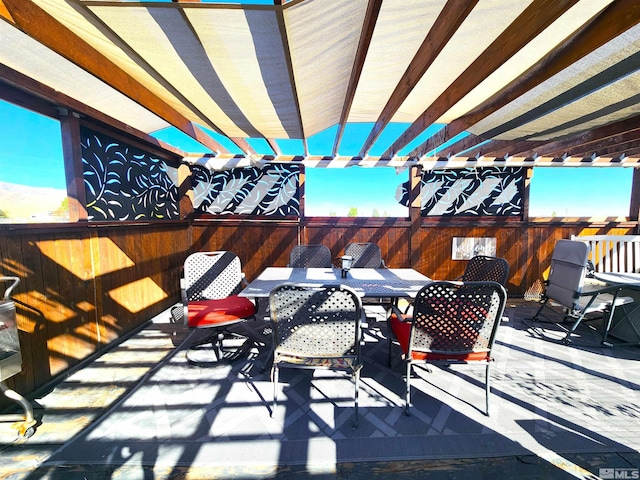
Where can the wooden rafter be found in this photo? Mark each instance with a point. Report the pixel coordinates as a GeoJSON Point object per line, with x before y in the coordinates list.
{"type": "Point", "coordinates": [461, 145]}
{"type": "Point", "coordinates": [18, 82]}
{"type": "Point", "coordinates": [4, 12]}
{"type": "Point", "coordinates": [617, 18]}
{"type": "Point", "coordinates": [37, 23]}
{"type": "Point", "coordinates": [292, 81]}
{"type": "Point", "coordinates": [508, 148]}
{"type": "Point", "coordinates": [584, 141]}
{"type": "Point", "coordinates": [370, 19]}
{"type": "Point", "coordinates": [533, 20]}
{"type": "Point", "coordinates": [608, 145]}
{"type": "Point", "coordinates": [274, 146]}
{"type": "Point", "coordinates": [445, 26]}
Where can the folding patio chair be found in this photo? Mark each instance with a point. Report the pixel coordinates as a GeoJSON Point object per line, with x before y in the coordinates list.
{"type": "Point", "coordinates": [210, 287]}
{"type": "Point", "coordinates": [365, 255]}
{"type": "Point", "coordinates": [566, 286]}
{"type": "Point", "coordinates": [316, 327]}
{"type": "Point", "coordinates": [310, 256]}
{"type": "Point", "coordinates": [452, 323]}
{"type": "Point", "coordinates": [482, 268]}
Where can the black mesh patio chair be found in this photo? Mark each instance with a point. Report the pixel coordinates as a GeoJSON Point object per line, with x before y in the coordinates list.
{"type": "Point", "coordinates": [365, 255]}
{"type": "Point", "coordinates": [566, 286]}
{"type": "Point", "coordinates": [482, 268]}
{"type": "Point", "coordinates": [310, 256]}
{"type": "Point", "coordinates": [316, 327]}
{"type": "Point", "coordinates": [210, 287]}
{"type": "Point", "coordinates": [452, 322]}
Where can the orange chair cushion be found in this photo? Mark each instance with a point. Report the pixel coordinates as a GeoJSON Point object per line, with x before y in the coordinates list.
{"type": "Point", "coordinates": [402, 331]}
{"type": "Point", "coordinates": [209, 313]}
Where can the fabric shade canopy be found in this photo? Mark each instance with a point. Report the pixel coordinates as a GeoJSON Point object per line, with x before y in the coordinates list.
{"type": "Point", "coordinates": [533, 82]}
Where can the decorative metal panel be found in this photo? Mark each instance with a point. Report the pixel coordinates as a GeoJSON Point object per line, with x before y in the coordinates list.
{"type": "Point", "coordinates": [494, 191]}
{"type": "Point", "coordinates": [124, 182]}
{"type": "Point", "coordinates": [271, 191]}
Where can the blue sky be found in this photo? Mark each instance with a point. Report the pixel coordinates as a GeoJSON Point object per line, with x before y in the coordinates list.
{"type": "Point", "coordinates": [31, 154]}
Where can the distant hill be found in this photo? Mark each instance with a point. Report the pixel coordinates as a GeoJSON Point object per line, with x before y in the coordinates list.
{"type": "Point", "coordinates": [25, 203]}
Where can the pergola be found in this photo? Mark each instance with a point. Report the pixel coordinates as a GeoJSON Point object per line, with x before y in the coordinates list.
{"type": "Point", "coordinates": [445, 87]}
{"type": "Point", "coordinates": [479, 83]}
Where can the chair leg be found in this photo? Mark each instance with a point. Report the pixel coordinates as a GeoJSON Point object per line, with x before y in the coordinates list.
{"type": "Point", "coordinates": [487, 387]}
{"type": "Point", "coordinates": [407, 398]}
{"type": "Point", "coordinates": [356, 377]}
{"type": "Point", "coordinates": [535, 317]}
{"type": "Point", "coordinates": [566, 340]}
{"type": "Point", "coordinates": [274, 375]}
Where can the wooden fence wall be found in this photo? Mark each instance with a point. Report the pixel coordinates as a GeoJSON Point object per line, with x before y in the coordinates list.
{"type": "Point", "coordinates": [84, 287]}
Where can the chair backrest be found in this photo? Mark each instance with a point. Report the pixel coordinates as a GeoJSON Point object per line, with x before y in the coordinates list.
{"type": "Point", "coordinates": [457, 318]}
{"type": "Point", "coordinates": [486, 269]}
{"type": "Point", "coordinates": [212, 275]}
{"type": "Point", "coordinates": [567, 273]}
{"type": "Point", "coordinates": [316, 320]}
{"type": "Point", "coordinates": [365, 255]}
{"type": "Point", "coordinates": [310, 256]}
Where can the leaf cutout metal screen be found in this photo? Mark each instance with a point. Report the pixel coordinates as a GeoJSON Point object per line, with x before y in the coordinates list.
{"type": "Point", "coordinates": [269, 191]}
{"type": "Point", "coordinates": [125, 183]}
{"type": "Point", "coordinates": [492, 191]}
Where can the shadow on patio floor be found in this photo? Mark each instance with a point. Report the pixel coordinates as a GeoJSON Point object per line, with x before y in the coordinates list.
{"type": "Point", "coordinates": [140, 411]}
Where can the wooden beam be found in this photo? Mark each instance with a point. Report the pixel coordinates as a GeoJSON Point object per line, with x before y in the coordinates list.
{"type": "Point", "coordinates": [586, 140]}
{"type": "Point", "coordinates": [529, 24]}
{"type": "Point", "coordinates": [614, 20]}
{"type": "Point", "coordinates": [445, 26]}
{"type": "Point", "coordinates": [287, 55]}
{"type": "Point", "coordinates": [23, 91]}
{"type": "Point", "coordinates": [4, 12]}
{"type": "Point", "coordinates": [37, 23]}
{"type": "Point", "coordinates": [502, 148]}
{"type": "Point", "coordinates": [370, 19]}
{"type": "Point", "coordinates": [634, 204]}
{"type": "Point", "coordinates": [274, 146]}
{"type": "Point", "coordinates": [466, 143]}
{"type": "Point", "coordinates": [616, 143]}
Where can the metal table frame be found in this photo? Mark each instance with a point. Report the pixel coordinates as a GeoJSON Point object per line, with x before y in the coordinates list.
{"type": "Point", "coordinates": [625, 280]}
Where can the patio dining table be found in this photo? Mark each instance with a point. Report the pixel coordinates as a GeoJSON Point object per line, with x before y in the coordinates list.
{"type": "Point", "coordinates": [625, 323]}
{"type": "Point", "coordinates": [392, 283]}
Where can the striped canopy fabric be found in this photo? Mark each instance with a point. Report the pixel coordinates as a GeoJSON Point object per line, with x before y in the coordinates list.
{"type": "Point", "coordinates": [442, 83]}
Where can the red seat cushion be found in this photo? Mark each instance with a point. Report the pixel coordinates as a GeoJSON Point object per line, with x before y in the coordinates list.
{"type": "Point", "coordinates": [208, 313]}
{"type": "Point", "coordinates": [402, 331]}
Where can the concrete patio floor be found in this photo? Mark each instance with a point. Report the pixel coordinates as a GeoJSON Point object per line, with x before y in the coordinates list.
{"type": "Point", "coordinates": [141, 411]}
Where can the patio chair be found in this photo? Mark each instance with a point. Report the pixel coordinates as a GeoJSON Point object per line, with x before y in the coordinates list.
{"type": "Point", "coordinates": [452, 323]}
{"type": "Point", "coordinates": [310, 256]}
{"type": "Point", "coordinates": [210, 287]}
{"type": "Point", "coordinates": [365, 255]}
{"type": "Point", "coordinates": [316, 327]}
{"type": "Point", "coordinates": [566, 286]}
{"type": "Point", "coordinates": [482, 268]}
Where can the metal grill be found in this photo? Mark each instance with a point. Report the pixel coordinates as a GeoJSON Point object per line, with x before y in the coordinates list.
{"type": "Point", "coordinates": [310, 256]}
{"type": "Point", "coordinates": [315, 321]}
{"type": "Point", "coordinates": [490, 269]}
{"type": "Point", "coordinates": [455, 318]}
{"type": "Point", "coordinates": [365, 255]}
{"type": "Point", "coordinates": [212, 275]}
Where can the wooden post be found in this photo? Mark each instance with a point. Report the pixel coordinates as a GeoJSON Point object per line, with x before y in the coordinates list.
{"type": "Point", "coordinates": [415, 177]}
{"type": "Point", "coordinates": [634, 204]}
{"type": "Point", "coordinates": [72, 153]}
